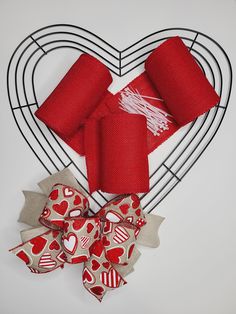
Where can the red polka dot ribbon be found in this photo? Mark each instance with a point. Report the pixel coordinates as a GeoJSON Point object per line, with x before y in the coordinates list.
{"type": "Point", "coordinates": [105, 242]}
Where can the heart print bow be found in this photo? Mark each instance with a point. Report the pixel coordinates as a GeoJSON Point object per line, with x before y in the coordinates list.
{"type": "Point", "coordinates": [105, 242]}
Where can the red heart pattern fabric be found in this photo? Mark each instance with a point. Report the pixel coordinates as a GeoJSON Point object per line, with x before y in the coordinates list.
{"type": "Point", "coordinates": [101, 242]}
{"type": "Point", "coordinates": [46, 261]}
{"type": "Point", "coordinates": [105, 276]}
{"type": "Point", "coordinates": [43, 253]}
{"type": "Point", "coordinates": [77, 240]}
{"type": "Point", "coordinates": [38, 244]}
{"type": "Point", "coordinates": [111, 278]}
{"type": "Point", "coordinates": [62, 202]}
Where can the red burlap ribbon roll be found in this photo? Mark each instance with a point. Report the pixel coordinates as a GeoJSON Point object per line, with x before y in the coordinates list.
{"type": "Point", "coordinates": [180, 81]}
{"type": "Point", "coordinates": [172, 92]}
{"type": "Point", "coordinates": [116, 154]}
{"type": "Point", "coordinates": [75, 97]}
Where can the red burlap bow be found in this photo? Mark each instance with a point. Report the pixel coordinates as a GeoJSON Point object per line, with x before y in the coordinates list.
{"type": "Point", "coordinates": [105, 243]}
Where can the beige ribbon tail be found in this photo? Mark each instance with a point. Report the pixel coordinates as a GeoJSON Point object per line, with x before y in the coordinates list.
{"type": "Point", "coordinates": [32, 209]}
{"type": "Point", "coordinates": [28, 234]}
{"type": "Point", "coordinates": [148, 235]}
{"type": "Point", "coordinates": [63, 177]}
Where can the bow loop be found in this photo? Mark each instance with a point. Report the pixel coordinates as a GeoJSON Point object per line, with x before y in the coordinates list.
{"type": "Point", "coordinates": [63, 201]}
{"type": "Point", "coordinates": [123, 208]}
{"type": "Point", "coordinates": [78, 236]}
{"type": "Point", "coordinates": [43, 253]}
{"type": "Point", "coordinates": [119, 242]}
{"type": "Point", "coordinates": [99, 274]}
{"type": "Point", "coordinates": [105, 243]}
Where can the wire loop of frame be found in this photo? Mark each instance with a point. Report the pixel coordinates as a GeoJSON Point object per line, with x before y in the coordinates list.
{"type": "Point", "coordinates": [196, 137]}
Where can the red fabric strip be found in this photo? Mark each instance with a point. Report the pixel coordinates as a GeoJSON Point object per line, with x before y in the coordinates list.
{"type": "Point", "coordinates": [76, 141]}
{"type": "Point", "coordinates": [180, 81]}
{"type": "Point", "coordinates": [110, 105]}
{"type": "Point", "coordinates": [116, 154]}
{"type": "Point", "coordinates": [92, 150]}
{"type": "Point", "coordinates": [75, 97]}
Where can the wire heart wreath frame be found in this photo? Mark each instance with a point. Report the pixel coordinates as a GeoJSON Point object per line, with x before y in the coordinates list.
{"type": "Point", "coordinates": [53, 155]}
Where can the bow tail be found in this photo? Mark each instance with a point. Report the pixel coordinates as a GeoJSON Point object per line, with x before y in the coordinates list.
{"type": "Point", "coordinates": [125, 270]}
{"type": "Point", "coordinates": [111, 258]}
{"type": "Point", "coordinates": [43, 252]}
{"type": "Point", "coordinates": [99, 274]}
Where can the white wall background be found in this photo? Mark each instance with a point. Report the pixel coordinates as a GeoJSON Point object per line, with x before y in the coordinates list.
{"type": "Point", "coordinates": [193, 271]}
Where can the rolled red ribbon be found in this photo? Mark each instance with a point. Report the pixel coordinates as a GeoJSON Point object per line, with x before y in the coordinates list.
{"type": "Point", "coordinates": [179, 80]}
{"type": "Point", "coordinates": [75, 97]}
{"type": "Point", "coordinates": [116, 145]}
{"type": "Point", "coordinates": [116, 154]}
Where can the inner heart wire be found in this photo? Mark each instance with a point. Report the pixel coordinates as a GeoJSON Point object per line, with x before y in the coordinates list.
{"type": "Point", "coordinates": [120, 68]}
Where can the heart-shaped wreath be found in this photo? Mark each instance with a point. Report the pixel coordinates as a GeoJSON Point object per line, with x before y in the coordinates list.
{"type": "Point", "coordinates": [179, 156]}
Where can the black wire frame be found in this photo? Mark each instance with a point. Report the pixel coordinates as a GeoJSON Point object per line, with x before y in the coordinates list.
{"type": "Point", "coordinates": [87, 42]}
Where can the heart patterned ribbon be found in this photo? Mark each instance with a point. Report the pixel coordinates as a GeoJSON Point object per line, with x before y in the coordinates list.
{"type": "Point", "coordinates": [105, 242]}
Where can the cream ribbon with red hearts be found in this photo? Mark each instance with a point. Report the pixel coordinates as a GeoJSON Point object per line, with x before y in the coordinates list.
{"type": "Point", "coordinates": [65, 233]}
